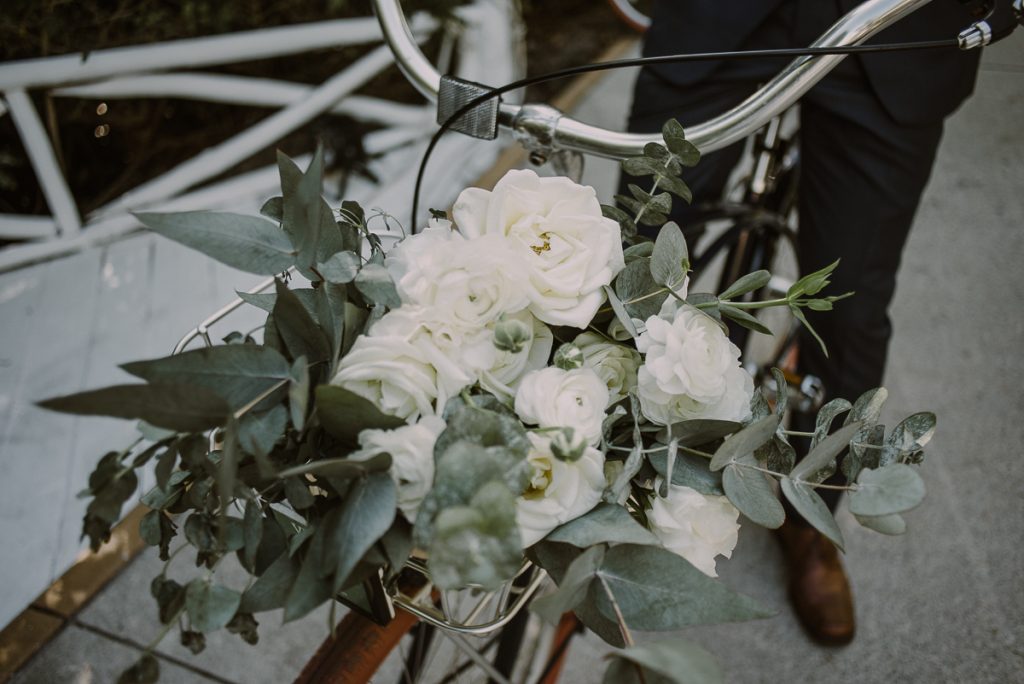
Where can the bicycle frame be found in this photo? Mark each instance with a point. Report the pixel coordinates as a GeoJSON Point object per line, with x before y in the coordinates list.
{"type": "Point", "coordinates": [544, 129]}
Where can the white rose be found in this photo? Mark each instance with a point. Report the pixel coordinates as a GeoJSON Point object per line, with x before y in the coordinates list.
{"type": "Point", "coordinates": [615, 364]}
{"type": "Point", "coordinates": [506, 370]}
{"type": "Point", "coordinates": [553, 397]}
{"type": "Point", "coordinates": [412, 459]}
{"type": "Point", "coordinates": [559, 491]}
{"type": "Point", "coordinates": [691, 369]}
{"type": "Point", "coordinates": [456, 352]}
{"type": "Point", "coordinates": [400, 368]}
{"type": "Point", "coordinates": [556, 228]}
{"type": "Point", "coordinates": [696, 526]}
{"type": "Point", "coordinates": [469, 283]}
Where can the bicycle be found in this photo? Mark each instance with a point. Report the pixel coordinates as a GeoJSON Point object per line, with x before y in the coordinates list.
{"type": "Point", "coordinates": [544, 132]}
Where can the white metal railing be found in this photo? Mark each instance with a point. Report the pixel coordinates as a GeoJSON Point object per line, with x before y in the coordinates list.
{"type": "Point", "coordinates": [166, 70]}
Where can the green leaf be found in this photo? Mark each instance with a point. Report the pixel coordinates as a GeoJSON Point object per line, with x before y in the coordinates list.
{"type": "Point", "coordinates": [808, 504]}
{"type": "Point", "coordinates": [301, 335]}
{"type": "Point", "coordinates": [248, 243]}
{"type": "Point", "coordinates": [891, 489]}
{"type": "Point", "coordinates": [672, 661]}
{"type": "Point", "coordinates": [819, 463]}
{"type": "Point", "coordinates": [245, 626]}
{"type": "Point", "coordinates": [676, 186]}
{"type": "Point", "coordinates": [751, 492]}
{"type": "Point", "coordinates": [375, 283]}
{"type": "Point", "coordinates": [478, 544]}
{"type": "Point", "coordinates": [364, 517]}
{"type": "Point", "coordinates": [341, 468]}
{"type": "Point", "coordinates": [799, 315]}
{"type": "Point", "coordinates": [604, 524]}
{"type": "Point", "coordinates": [657, 590]}
{"type": "Point", "coordinates": [227, 468]}
{"type": "Point", "coordinates": [239, 373]}
{"type": "Point", "coordinates": [271, 590]}
{"type": "Point", "coordinates": [620, 312]}
{"type": "Point", "coordinates": [868, 406]}
{"type": "Point", "coordinates": [210, 606]}
{"type": "Point", "coordinates": [178, 407]}
{"type": "Point", "coordinates": [748, 283]}
{"type": "Point", "coordinates": [165, 466]}
{"type": "Point", "coordinates": [252, 532]}
{"type": "Point", "coordinates": [675, 140]}
{"type": "Point", "coordinates": [170, 598]}
{"type": "Point", "coordinates": [573, 586]}
{"type": "Point", "coordinates": [670, 260]}
{"type": "Point", "coordinates": [827, 414]}
{"type": "Point", "coordinates": [259, 431]}
{"type": "Point", "coordinates": [892, 524]}
{"type": "Point", "coordinates": [340, 268]}
{"type": "Point", "coordinates": [312, 585]}
{"type": "Point", "coordinates": [908, 439]}
{"type": "Point", "coordinates": [812, 283]}
{"type": "Point", "coordinates": [298, 392]}
{"type": "Point", "coordinates": [345, 414]}
{"type": "Point", "coordinates": [307, 219]}
{"type": "Point", "coordinates": [641, 296]}
{"type": "Point", "coordinates": [273, 208]}
{"type": "Point", "coordinates": [266, 300]}
{"type": "Point", "coordinates": [625, 221]}
{"type": "Point", "coordinates": [331, 303]}
{"type": "Point", "coordinates": [690, 471]}
{"type": "Point", "coordinates": [863, 453]}
{"type": "Point", "coordinates": [745, 441]}
{"type": "Point", "coordinates": [146, 670]}
{"type": "Point", "coordinates": [694, 433]}
{"type": "Point", "coordinates": [743, 318]}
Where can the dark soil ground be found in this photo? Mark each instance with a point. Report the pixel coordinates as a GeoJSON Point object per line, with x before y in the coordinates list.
{"type": "Point", "coordinates": [107, 150]}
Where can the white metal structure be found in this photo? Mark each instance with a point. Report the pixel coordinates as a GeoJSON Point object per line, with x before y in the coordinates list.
{"type": "Point", "coordinates": [166, 70]}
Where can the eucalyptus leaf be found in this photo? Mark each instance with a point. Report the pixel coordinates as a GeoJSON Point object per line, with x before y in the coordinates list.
{"type": "Point", "coordinates": [604, 524]}
{"type": "Point", "coordinates": [271, 589]}
{"type": "Point", "coordinates": [266, 300]}
{"type": "Point", "coordinates": [865, 450]}
{"type": "Point", "coordinates": [376, 284]}
{"type": "Point", "coordinates": [813, 509]}
{"type": "Point", "coordinates": [827, 414]}
{"type": "Point", "coordinates": [145, 670]}
{"type": "Point", "coordinates": [751, 492]}
{"type": "Point", "coordinates": [345, 414]}
{"type": "Point", "coordinates": [641, 296]}
{"type": "Point", "coordinates": [248, 243]}
{"type": "Point", "coordinates": [745, 441]}
{"type": "Point", "coordinates": [620, 312]}
{"type": "Point", "coordinates": [298, 392]}
{"type": "Point", "coordinates": [892, 524]}
{"type": "Point", "coordinates": [299, 331]}
{"type": "Point", "coordinates": [364, 517]}
{"type": "Point", "coordinates": [670, 260]}
{"type": "Point", "coordinates": [227, 468]}
{"type": "Point", "coordinates": [178, 407]}
{"type": "Point", "coordinates": [573, 586]}
{"type": "Point", "coordinates": [675, 139]}
{"type": "Point", "coordinates": [674, 661]}
{"type": "Point", "coordinates": [658, 590]}
{"type": "Point", "coordinates": [307, 219]}
{"type": "Point", "coordinates": [819, 463]}
{"type": "Point", "coordinates": [478, 544]}
{"type": "Point", "coordinates": [340, 268]}
{"type": "Point", "coordinates": [312, 586]}
{"type": "Point", "coordinates": [690, 471]}
{"type": "Point", "coordinates": [694, 433]}
{"type": "Point", "coordinates": [259, 431]}
{"type": "Point", "coordinates": [210, 606]}
{"type": "Point", "coordinates": [743, 318]}
{"type": "Point", "coordinates": [252, 532]}
{"type": "Point", "coordinates": [868, 406]}
{"type": "Point", "coordinates": [342, 468]}
{"type": "Point", "coordinates": [891, 489]}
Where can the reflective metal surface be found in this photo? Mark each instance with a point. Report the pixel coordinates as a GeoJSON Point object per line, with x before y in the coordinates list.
{"type": "Point", "coordinates": [782, 91]}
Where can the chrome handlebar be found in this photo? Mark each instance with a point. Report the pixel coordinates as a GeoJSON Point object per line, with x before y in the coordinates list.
{"type": "Point", "coordinates": [544, 128]}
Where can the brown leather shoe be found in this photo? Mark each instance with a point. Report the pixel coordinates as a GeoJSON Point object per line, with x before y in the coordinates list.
{"type": "Point", "coordinates": [818, 587]}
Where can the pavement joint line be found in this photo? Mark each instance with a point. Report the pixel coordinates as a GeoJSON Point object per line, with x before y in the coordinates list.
{"type": "Point", "coordinates": [156, 652]}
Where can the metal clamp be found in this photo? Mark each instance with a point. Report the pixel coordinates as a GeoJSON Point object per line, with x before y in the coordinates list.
{"type": "Point", "coordinates": [481, 121]}
{"type": "Point", "coordinates": [977, 35]}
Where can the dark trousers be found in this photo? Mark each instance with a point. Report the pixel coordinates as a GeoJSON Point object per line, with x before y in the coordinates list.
{"type": "Point", "coordinates": [861, 180]}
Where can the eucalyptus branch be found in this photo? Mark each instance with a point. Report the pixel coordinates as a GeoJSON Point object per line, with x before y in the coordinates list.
{"type": "Point", "coordinates": [164, 630]}
{"type": "Point", "coordinates": [798, 433]}
{"type": "Point", "coordinates": [643, 207]}
{"type": "Point", "coordinates": [815, 485]}
{"type": "Point", "coordinates": [623, 628]}
{"type": "Point", "coordinates": [654, 450]}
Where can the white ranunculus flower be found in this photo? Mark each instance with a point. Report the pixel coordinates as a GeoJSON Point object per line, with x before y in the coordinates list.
{"type": "Point", "coordinates": [412, 459]}
{"type": "Point", "coordinates": [468, 283]}
{"type": "Point", "coordinates": [691, 369]}
{"type": "Point", "coordinates": [553, 397]}
{"type": "Point", "coordinates": [696, 526]}
{"type": "Point", "coordinates": [555, 226]}
{"type": "Point", "coordinates": [503, 375]}
{"type": "Point", "coordinates": [559, 491]}
{"type": "Point", "coordinates": [616, 364]}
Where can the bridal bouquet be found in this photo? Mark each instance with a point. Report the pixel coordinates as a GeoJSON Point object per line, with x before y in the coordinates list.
{"type": "Point", "coordinates": [509, 382]}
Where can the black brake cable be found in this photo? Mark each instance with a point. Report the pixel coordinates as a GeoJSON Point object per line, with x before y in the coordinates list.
{"type": "Point", "coordinates": [658, 59]}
